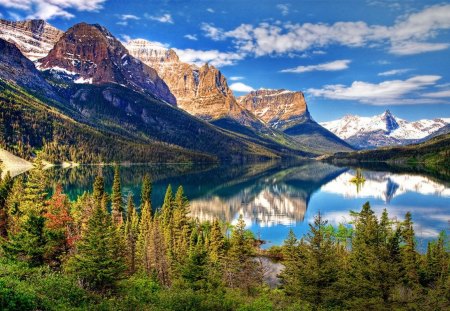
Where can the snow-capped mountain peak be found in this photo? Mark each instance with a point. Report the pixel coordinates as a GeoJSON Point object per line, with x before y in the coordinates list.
{"type": "Point", "coordinates": [382, 130]}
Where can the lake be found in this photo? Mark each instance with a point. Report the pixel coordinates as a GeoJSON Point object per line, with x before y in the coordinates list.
{"type": "Point", "coordinates": [274, 197]}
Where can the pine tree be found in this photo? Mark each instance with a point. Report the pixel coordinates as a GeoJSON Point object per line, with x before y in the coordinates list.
{"type": "Point", "coordinates": [99, 191]}
{"type": "Point", "coordinates": [96, 262]}
{"type": "Point", "coordinates": [318, 275]}
{"type": "Point", "coordinates": [116, 199]}
{"type": "Point", "coordinates": [181, 229]}
{"type": "Point", "coordinates": [30, 243]}
{"type": "Point", "coordinates": [143, 256]}
{"type": "Point", "coordinates": [409, 253]}
{"type": "Point", "coordinates": [13, 205]}
{"type": "Point", "coordinates": [293, 256]}
{"type": "Point", "coordinates": [216, 243]}
{"type": "Point", "coordinates": [146, 191]}
{"type": "Point", "coordinates": [241, 270]}
{"type": "Point", "coordinates": [34, 192]}
{"type": "Point", "coordinates": [131, 233]}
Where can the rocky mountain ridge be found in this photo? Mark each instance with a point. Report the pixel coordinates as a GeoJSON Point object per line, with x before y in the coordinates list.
{"type": "Point", "coordinates": [35, 38]}
{"type": "Point", "coordinates": [278, 108]}
{"type": "Point", "coordinates": [201, 91]}
{"type": "Point", "coordinates": [93, 55]}
{"type": "Point", "coordinates": [382, 130]}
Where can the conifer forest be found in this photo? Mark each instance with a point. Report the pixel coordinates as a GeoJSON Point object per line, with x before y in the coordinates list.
{"type": "Point", "coordinates": [101, 252]}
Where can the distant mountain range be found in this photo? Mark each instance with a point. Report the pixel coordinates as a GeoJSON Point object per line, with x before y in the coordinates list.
{"type": "Point", "coordinates": [384, 130]}
{"type": "Point", "coordinates": [140, 96]}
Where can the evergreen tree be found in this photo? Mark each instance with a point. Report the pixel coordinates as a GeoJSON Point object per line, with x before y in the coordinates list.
{"type": "Point", "coordinates": [30, 243]}
{"type": "Point", "coordinates": [146, 191]}
{"type": "Point", "coordinates": [242, 271]}
{"type": "Point", "coordinates": [34, 192]}
{"type": "Point", "coordinates": [409, 253]}
{"type": "Point", "coordinates": [116, 199]}
{"type": "Point", "coordinates": [99, 191]}
{"type": "Point", "coordinates": [216, 243]}
{"type": "Point", "coordinates": [293, 257]}
{"type": "Point", "coordinates": [143, 256]}
{"type": "Point", "coordinates": [97, 261]}
{"type": "Point", "coordinates": [319, 272]}
{"type": "Point", "coordinates": [131, 233]}
{"type": "Point", "coordinates": [13, 201]}
{"type": "Point", "coordinates": [181, 228]}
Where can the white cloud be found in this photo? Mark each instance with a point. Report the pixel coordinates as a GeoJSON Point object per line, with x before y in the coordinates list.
{"type": "Point", "coordinates": [284, 9]}
{"type": "Point", "coordinates": [330, 66]}
{"type": "Point", "coordinates": [191, 37]}
{"type": "Point", "coordinates": [387, 92]}
{"type": "Point", "coordinates": [407, 36]}
{"type": "Point", "coordinates": [241, 87]}
{"type": "Point", "coordinates": [210, 10]}
{"type": "Point", "coordinates": [236, 78]}
{"type": "Point", "coordinates": [213, 57]}
{"type": "Point", "coordinates": [212, 32]}
{"type": "Point", "coordinates": [48, 9]}
{"type": "Point", "coordinates": [124, 18]}
{"type": "Point", "coordinates": [440, 94]}
{"type": "Point", "coordinates": [393, 72]}
{"type": "Point", "coordinates": [165, 18]}
{"type": "Point", "coordinates": [411, 48]}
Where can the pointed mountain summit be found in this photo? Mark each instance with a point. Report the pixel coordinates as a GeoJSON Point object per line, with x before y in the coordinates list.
{"type": "Point", "coordinates": [93, 55]}
{"type": "Point", "coordinates": [34, 38]}
{"type": "Point", "coordinates": [201, 91]}
{"type": "Point", "coordinates": [382, 130]}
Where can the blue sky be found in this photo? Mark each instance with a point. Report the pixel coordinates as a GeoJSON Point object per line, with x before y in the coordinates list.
{"type": "Point", "coordinates": [348, 57]}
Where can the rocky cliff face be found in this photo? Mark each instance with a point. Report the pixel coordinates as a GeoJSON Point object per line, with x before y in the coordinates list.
{"type": "Point", "coordinates": [278, 108]}
{"type": "Point", "coordinates": [201, 91]}
{"type": "Point", "coordinates": [34, 38]}
{"type": "Point", "coordinates": [16, 68]}
{"type": "Point", "coordinates": [93, 55]}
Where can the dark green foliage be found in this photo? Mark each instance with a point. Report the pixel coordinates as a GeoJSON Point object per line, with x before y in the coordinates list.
{"type": "Point", "coordinates": [168, 261]}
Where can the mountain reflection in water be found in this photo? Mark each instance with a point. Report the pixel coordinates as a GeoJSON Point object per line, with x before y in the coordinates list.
{"type": "Point", "coordinates": [274, 197]}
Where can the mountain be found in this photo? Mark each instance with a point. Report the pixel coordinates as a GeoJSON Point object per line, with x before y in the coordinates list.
{"type": "Point", "coordinates": [201, 91]}
{"type": "Point", "coordinates": [287, 111]}
{"type": "Point", "coordinates": [35, 38]}
{"type": "Point", "coordinates": [278, 108]}
{"type": "Point", "coordinates": [16, 68]}
{"type": "Point", "coordinates": [382, 130]}
{"type": "Point", "coordinates": [93, 55]}
{"type": "Point", "coordinates": [105, 121]}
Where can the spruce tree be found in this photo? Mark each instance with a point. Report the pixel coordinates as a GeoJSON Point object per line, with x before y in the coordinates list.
{"type": "Point", "coordinates": [146, 191]}
{"type": "Point", "coordinates": [116, 199]}
{"type": "Point", "coordinates": [98, 193]}
{"type": "Point", "coordinates": [318, 275]}
{"type": "Point", "coordinates": [6, 185]}
{"type": "Point", "coordinates": [293, 258]}
{"type": "Point", "coordinates": [143, 256]}
{"type": "Point", "coordinates": [409, 253]}
{"type": "Point", "coordinates": [181, 229]}
{"type": "Point", "coordinates": [97, 262]}
{"type": "Point", "coordinates": [131, 233]}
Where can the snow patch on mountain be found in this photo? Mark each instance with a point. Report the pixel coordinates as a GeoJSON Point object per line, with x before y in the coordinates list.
{"type": "Point", "coordinates": [382, 130]}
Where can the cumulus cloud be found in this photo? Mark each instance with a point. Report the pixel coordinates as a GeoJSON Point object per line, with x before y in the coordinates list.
{"type": "Point", "coordinates": [393, 72]}
{"type": "Point", "coordinates": [386, 92]}
{"type": "Point", "coordinates": [407, 36]}
{"type": "Point", "coordinates": [48, 9]}
{"type": "Point", "coordinates": [191, 37]}
{"type": "Point", "coordinates": [330, 66]}
{"type": "Point", "coordinates": [165, 18]}
{"type": "Point", "coordinates": [241, 87]}
{"type": "Point", "coordinates": [213, 57]}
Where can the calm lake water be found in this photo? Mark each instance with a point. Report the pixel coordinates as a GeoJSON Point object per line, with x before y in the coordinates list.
{"type": "Point", "coordinates": [275, 197]}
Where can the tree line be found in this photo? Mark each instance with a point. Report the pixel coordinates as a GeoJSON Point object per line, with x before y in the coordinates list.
{"type": "Point", "coordinates": [103, 252]}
